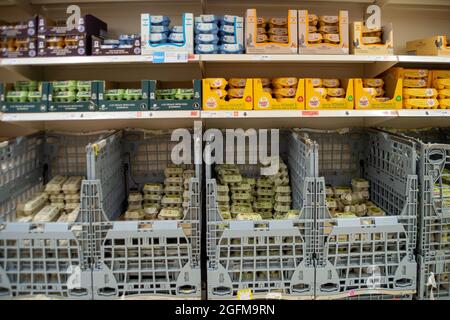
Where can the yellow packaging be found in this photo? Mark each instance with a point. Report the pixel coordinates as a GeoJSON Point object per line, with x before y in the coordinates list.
{"type": "Point", "coordinates": [334, 45]}
{"type": "Point", "coordinates": [442, 83]}
{"type": "Point", "coordinates": [261, 20]}
{"type": "Point", "coordinates": [285, 82]}
{"type": "Point", "coordinates": [265, 82]}
{"type": "Point", "coordinates": [328, 29]}
{"type": "Point", "coordinates": [268, 90]}
{"type": "Point", "coordinates": [335, 92]}
{"type": "Point", "coordinates": [364, 100]}
{"type": "Point", "coordinates": [313, 19]}
{"type": "Point", "coordinates": [336, 100]}
{"type": "Point", "coordinates": [236, 93]}
{"type": "Point", "coordinates": [366, 41]}
{"type": "Point", "coordinates": [278, 31]}
{"type": "Point", "coordinates": [432, 46]}
{"type": "Point", "coordinates": [419, 93]}
{"type": "Point", "coordinates": [255, 43]}
{"type": "Point", "coordinates": [415, 73]}
{"type": "Point", "coordinates": [285, 92]}
{"type": "Point", "coordinates": [217, 83]}
{"type": "Point", "coordinates": [220, 92]}
{"type": "Point", "coordinates": [415, 83]}
{"type": "Point", "coordinates": [373, 82]}
{"type": "Point", "coordinates": [331, 37]}
{"type": "Point", "coordinates": [315, 38]}
{"type": "Point", "coordinates": [421, 103]}
{"type": "Point", "coordinates": [264, 100]}
{"type": "Point", "coordinates": [444, 103]}
{"type": "Point", "coordinates": [444, 93]}
{"type": "Point", "coordinates": [261, 30]}
{"type": "Point", "coordinates": [237, 82]}
{"type": "Point", "coordinates": [312, 29]}
{"type": "Point", "coordinates": [322, 92]}
{"type": "Point", "coordinates": [212, 101]}
{"type": "Point", "coordinates": [331, 83]}
{"type": "Point", "coordinates": [314, 100]}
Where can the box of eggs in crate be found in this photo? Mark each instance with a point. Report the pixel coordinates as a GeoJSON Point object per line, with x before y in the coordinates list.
{"type": "Point", "coordinates": [227, 94]}
{"type": "Point", "coordinates": [375, 41]}
{"type": "Point", "coordinates": [384, 92]}
{"type": "Point", "coordinates": [323, 34]}
{"type": "Point", "coordinates": [113, 96]}
{"type": "Point", "coordinates": [24, 96]}
{"type": "Point", "coordinates": [73, 95]}
{"type": "Point", "coordinates": [287, 93]}
{"type": "Point", "coordinates": [271, 34]}
{"type": "Point", "coordinates": [329, 93]}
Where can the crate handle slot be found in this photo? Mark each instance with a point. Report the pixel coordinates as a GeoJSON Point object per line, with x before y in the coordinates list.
{"type": "Point", "coordinates": [107, 291]}
{"type": "Point", "coordinates": [300, 287]}
{"type": "Point", "coordinates": [403, 282]}
{"type": "Point", "coordinates": [329, 287]}
{"type": "Point", "coordinates": [221, 291]}
{"type": "Point", "coordinates": [78, 292]}
{"type": "Point", "coordinates": [187, 289]}
{"type": "Point", "coordinates": [436, 156]}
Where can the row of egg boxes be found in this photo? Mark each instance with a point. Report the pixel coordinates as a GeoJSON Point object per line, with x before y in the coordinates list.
{"type": "Point", "coordinates": [374, 86]}
{"type": "Point", "coordinates": [60, 42]}
{"type": "Point", "coordinates": [67, 185]}
{"type": "Point", "coordinates": [232, 88]}
{"type": "Point", "coordinates": [71, 96]}
{"type": "Point", "coordinates": [175, 94]}
{"type": "Point", "coordinates": [371, 36]}
{"type": "Point", "coordinates": [150, 213]}
{"type": "Point", "coordinates": [416, 90]}
{"type": "Point", "coordinates": [71, 85]}
{"type": "Point", "coordinates": [52, 213]}
{"type": "Point", "coordinates": [214, 34]}
{"type": "Point", "coordinates": [273, 29]}
{"type": "Point", "coordinates": [123, 94]}
{"type": "Point", "coordinates": [29, 86]}
{"type": "Point", "coordinates": [323, 29]}
{"type": "Point", "coordinates": [161, 32]}
{"type": "Point", "coordinates": [124, 41]}
{"type": "Point", "coordinates": [328, 88]}
{"type": "Point", "coordinates": [280, 88]}
{"type": "Point", "coordinates": [23, 96]}
{"type": "Point", "coordinates": [444, 191]}
{"type": "Point", "coordinates": [443, 87]}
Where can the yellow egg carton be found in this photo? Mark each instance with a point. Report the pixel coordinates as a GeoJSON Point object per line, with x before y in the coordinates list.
{"type": "Point", "coordinates": [441, 83]}
{"type": "Point", "coordinates": [431, 46]}
{"type": "Point", "coordinates": [444, 94]}
{"type": "Point", "coordinates": [421, 103]}
{"type": "Point", "coordinates": [444, 103]}
{"type": "Point", "coordinates": [239, 94]}
{"type": "Point", "coordinates": [323, 34]}
{"type": "Point", "coordinates": [320, 98]}
{"type": "Point", "coordinates": [368, 93]}
{"type": "Point", "coordinates": [287, 97]}
{"type": "Point", "coordinates": [418, 93]}
{"type": "Point", "coordinates": [366, 41]}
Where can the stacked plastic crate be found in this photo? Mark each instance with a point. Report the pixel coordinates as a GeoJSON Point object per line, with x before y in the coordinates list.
{"type": "Point", "coordinates": [263, 258]}
{"type": "Point", "coordinates": [362, 253]}
{"type": "Point", "coordinates": [46, 259]}
{"type": "Point", "coordinates": [145, 259]}
{"type": "Point", "coordinates": [433, 147]}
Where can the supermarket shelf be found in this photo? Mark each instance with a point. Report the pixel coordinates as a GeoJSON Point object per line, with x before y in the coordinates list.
{"type": "Point", "coordinates": [298, 114]}
{"type": "Point", "coordinates": [239, 58]}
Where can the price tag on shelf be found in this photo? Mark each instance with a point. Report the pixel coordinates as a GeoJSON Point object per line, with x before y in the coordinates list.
{"type": "Point", "coordinates": [194, 113]}
{"type": "Point", "coordinates": [393, 113]}
{"type": "Point", "coordinates": [310, 113]}
{"type": "Point", "coordinates": [170, 57]}
{"type": "Point", "coordinates": [139, 114]}
{"type": "Point", "coordinates": [261, 57]}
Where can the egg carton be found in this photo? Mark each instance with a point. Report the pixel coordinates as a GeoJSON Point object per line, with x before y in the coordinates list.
{"type": "Point", "coordinates": [170, 214]}
{"type": "Point", "coordinates": [47, 214]}
{"type": "Point", "coordinates": [62, 86]}
{"type": "Point", "coordinates": [72, 185]}
{"type": "Point", "coordinates": [26, 85]}
{"type": "Point", "coordinates": [54, 186]}
{"type": "Point", "coordinates": [152, 197]}
{"type": "Point", "coordinates": [150, 188]}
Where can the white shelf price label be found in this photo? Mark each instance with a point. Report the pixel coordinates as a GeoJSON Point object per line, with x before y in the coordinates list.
{"type": "Point", "coordinates": [170, 57]}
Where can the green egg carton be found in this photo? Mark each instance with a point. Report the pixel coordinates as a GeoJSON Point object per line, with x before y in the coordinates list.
{"type": "Point", "coordinates": [83, 96]}
{"type": "Point", "coordinates": [65, 96]}
{"type": "Point", "coordinates": [70, 85]}
{"type": "Point", "coordinates": [114, 94]}
{"type": "Point", "coordinates": [34, 96]}
{"type": "Point", "coordinates": [133, 94]}
{"type": "Point", "coordinates": [17, 96]}
{"type": "Point", "coordinates": [84, 85]}
{"type": "Point", "coordinates": [175, 99]}
{"type": "Point", "coordinates": [184, 94]}
{"type": "Point", "coordinates": [26, 85]}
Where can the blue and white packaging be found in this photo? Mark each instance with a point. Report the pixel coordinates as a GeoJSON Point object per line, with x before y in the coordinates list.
{"type": "Point", "coordinates": [177, 29]}
{"type": "Point", "coordinates": [159, 29]}
{"type": "Point", "coordinates": [227, 29]}
{"type": "Point", "coordinates": [158, 37]}
{"type": "Point", "coordinates": [176, 37]}
{"type": "Point", "coordinates": [206, 48]}
{"type": "Point", "coordinates": [182, 41]}
{"type": "Point", "coordinates": [206, 28]}
{"type": "Point", "coordinates": [207, 18]}
{"type": "Point", "coordinates": [228, 39]}
{"type": "Point", "coordinates": [227, 19]}
{"type": "Point", "coordinates": [204, 38]}
{"type": "Point", "coordinates": [231, 48]}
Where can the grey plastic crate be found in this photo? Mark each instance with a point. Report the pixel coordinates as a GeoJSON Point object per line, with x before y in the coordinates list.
{"type": "Point", "coordinates": [140, 259]}
{"type": "Point", "coordinates": [433, 149]}
{"type": "Point", "coordinates": [367, 256]}
{"type": "Point", "coordinates": [269, 258]}
{"type": "Point", "coordinates": [49, 260]}
{"type": "Point", "coordinates": [434, 275]}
